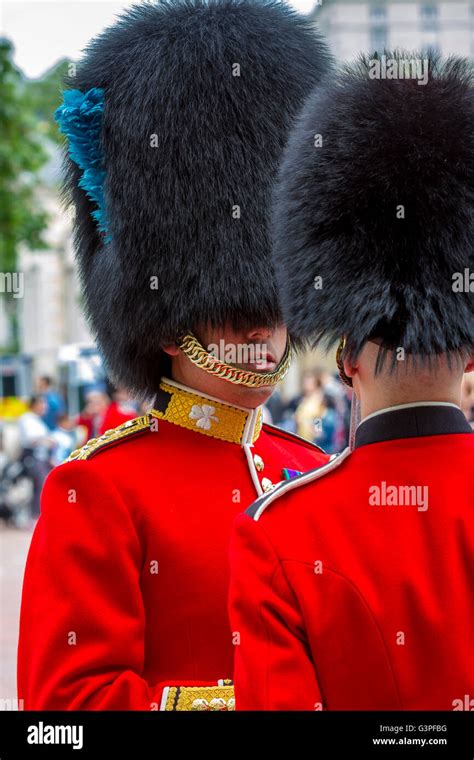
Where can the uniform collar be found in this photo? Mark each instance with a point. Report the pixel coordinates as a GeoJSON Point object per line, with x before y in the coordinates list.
{"type": "Point", "coordinates": [411, 421]}
{"type": "Point", "coordinates": [205, 414]}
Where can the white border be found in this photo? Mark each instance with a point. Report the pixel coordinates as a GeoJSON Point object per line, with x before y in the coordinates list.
{"type": "Point", "coordinates": [408, 406]}
{"type": "Point", "coordinates": [308, 477]}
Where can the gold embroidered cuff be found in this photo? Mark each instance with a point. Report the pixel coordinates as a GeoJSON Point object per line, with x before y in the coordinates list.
{"type": "Point", "coordinates": [199, 698]}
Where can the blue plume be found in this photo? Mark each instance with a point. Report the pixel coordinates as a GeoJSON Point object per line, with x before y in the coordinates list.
{"type": "Point", "coordinates": [80, 119]}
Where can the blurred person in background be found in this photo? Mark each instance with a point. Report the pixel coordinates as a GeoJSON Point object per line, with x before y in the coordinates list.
{"type": "Point", "coordinates": [343, 397]}
{"type": "Point", "coordinates": [65, 438]}
{"type": "Point", "coordinates": [320, 412]}
{"type": "Point", "coordinates": [275, 409]}
{"type": "Point", "coordinates": [328, 425]}
{"type": "Point", "coordinates": [310, 405]}
{"type": "Point", "coordinates": [36, 444]}
{"type": "Point", "coordinates": [93, 415]}
{"type": "Point", "coordinates": [54, 402]}
{"type": "Point", "coordinates": [282, 412]}
{"type": "Point", "coordinates": [121, 409]}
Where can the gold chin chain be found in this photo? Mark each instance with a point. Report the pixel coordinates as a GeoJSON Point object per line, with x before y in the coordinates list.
{"type": "Point", "coordinates": [199, 356]}
{"type": "Point", "coordinates": [340, 363]}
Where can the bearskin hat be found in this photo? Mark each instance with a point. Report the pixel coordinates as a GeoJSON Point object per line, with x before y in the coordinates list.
{"type": "Point", "coordinates": [198, 99]}
{"type": "Point", "coordinates": [374, 208]}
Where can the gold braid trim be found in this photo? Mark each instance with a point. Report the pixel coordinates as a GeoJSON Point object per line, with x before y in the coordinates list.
{"type": "Point", "coordinates": [200, 357]}
{"type": "Point", "coordinates": [110, 436]}
{"type": "Point", "coordinates": [200, 698]}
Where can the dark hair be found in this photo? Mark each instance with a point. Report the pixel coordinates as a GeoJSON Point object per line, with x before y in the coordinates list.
{"type": "Point", "coordinates": [329, 401]}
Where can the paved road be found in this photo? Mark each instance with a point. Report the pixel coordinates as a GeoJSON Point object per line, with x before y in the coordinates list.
{"type": "Point", "coordinates": [13, 550]}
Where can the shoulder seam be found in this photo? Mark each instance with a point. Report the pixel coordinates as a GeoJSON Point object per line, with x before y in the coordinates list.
{"type": "Point", "coordinates": [132, 427]}
{"type": "Point", "coordinates": [303, 479]}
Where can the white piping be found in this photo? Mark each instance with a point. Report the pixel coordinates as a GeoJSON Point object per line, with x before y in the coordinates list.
{"type": "Point", "coordinates": [247, 445]}
{"type": "Point", "coordinates": [164, 698]}
{"type": "Point", "coordinates": [249, 429]}
{"type": "Point", "coordinates": [408, 406]}
{"type": "Point", "coordinates": [308, 477]}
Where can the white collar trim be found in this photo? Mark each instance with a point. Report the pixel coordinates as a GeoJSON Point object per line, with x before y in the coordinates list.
{"type": "Point", "coordinates": [413, 405]}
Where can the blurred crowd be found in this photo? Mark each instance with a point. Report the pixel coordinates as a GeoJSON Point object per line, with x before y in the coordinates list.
{"type": "Point", "coordinates": [320, 412]}
{"type": "Point", "coordinates": [47, 435]}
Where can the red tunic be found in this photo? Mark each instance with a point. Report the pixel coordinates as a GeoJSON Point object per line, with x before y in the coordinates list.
{"type": "Point", "coordinates": [127, 576]}
{"type": "Point", "coordinates": [353, 590]}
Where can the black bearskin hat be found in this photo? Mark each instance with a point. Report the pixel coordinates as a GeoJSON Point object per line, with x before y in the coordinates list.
{"type": "Point", "coordinates": [374, 209]}
{"type": "Point", "coordinates": [199, 96]}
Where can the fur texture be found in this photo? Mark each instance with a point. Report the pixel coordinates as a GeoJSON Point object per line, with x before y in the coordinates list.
{"type": "Point", "coordinates": [167, 72]}
{"type": "Point", "coordinates": [386, 144]}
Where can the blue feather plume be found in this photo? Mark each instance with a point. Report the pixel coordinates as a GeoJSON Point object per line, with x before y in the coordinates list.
{"type": "Point", "coordinates": [80, 118]}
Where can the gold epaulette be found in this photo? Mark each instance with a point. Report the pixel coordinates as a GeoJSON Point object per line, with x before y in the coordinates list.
{"type": "Point", "coordinates": [138, 425]}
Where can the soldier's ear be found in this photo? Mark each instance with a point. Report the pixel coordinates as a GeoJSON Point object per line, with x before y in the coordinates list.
{"type": "Point", "coordinates": [350, 368]}
{"type": "Point", "coordinates": [470, 365]}
{"type": "Point", "coordinates": [171, 349]}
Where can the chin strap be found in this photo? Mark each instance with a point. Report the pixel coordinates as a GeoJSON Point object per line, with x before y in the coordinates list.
{"type": "Point", "coordinates": [340, 363]}
{"type": "Point", "coordinates": [355, 405]}
{"type": "Point", "coordinates": [200, 357]}
{"type": "Point", "coordinates": [355, 421]}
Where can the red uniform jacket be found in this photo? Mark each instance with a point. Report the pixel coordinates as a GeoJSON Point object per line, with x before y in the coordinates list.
{"type": "Point", "coordinates": [352, 587]}
{"type": "Point", "coordinates": [127, 576]}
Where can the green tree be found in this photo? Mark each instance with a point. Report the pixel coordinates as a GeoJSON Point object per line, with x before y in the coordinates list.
{"type": "Point", "coordinates": [22, 155]}
{"type": "Point", "coordinates": [45, 95]}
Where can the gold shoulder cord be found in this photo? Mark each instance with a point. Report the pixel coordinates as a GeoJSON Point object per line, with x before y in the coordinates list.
{"type": "Point", "coordinates": [132, 427]}
{"type": "Point", "coordinates": [200, 357]}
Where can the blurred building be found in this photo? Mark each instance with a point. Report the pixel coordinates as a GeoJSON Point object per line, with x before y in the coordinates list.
{"type": "Point", "coordinates": [50, 313]}
{"type": "Point", "coordinates": [352, 26]}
